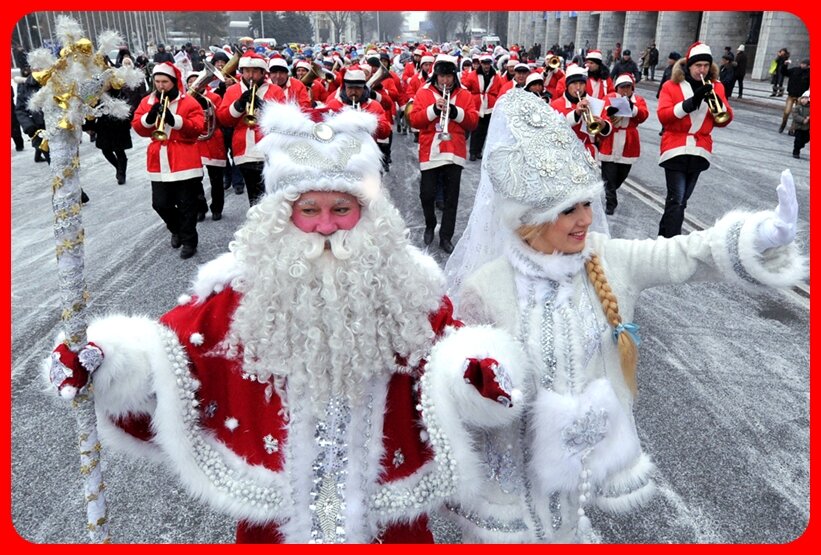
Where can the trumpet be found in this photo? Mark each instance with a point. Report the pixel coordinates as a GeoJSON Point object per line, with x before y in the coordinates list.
{"type": "Point", "coordinates": [444, 118]}
{"type": "Point", "coordinates": [715, 106]}
{"type": "Point", "coordinates": [159, 133]}
{"type": "Point", "coordinates": [356, 105]}
{"type": "Point", "coordinates": [593, 127]}
{"type": "Point", "coordinates": [249, 118]}
{"type": "Point", "coordinates": [553, 62]}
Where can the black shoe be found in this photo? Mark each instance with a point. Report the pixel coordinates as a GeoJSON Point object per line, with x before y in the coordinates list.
{"type": "Point", "coordinates": [791, 133]}
{"type": "Point", "coordinates": [216, 216]}
{"type": "Point", "coordinates": [175, 241]}
{"type": "Point", "coordinates": [200, 216]}
{"type": "Point", "coordinates": [796, 155]}
{"type": "Point", "coordinates": [428, 235]}
{"type": "Point", "coordinates": [226, 185]}
{"type": "Point", "coordinates": [609, 211]}
{"type": "Point", "coordinates": [446, 245]}
{"type": "Point", "coordinates": [472, 157]}
{"type": "Point", "coordinates": [439, 204]}
{"type": "Point", "coordinates": [84, 197]}
{"type": "Point", "coordinates": [781, 129]}
{"type": "Point", "coordinates": [38, 155]}
{"type": "Point", "coordinates": [239, 190]}
{"type": "Point", "coordinates": [187, 251]}
{"type": "Point", "coordinates": [19, 146]}
{"type": "Point", "coordinates": [773, 94]}
{"type": "Point", "coordinates": [479, 156]}
{"type": "Point", "coordinates": [120, 178]}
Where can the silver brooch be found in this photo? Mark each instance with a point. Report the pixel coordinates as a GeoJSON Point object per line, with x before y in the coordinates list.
{"type": "Point", "coordinates": [323, 132]}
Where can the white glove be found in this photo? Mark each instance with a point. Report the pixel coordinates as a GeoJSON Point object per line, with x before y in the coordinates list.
{"type": "Point", "coordinates": [780, 229]}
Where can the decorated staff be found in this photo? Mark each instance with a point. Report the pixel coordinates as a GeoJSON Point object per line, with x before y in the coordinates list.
{"type": "Point", "coordinates": [72, 90]}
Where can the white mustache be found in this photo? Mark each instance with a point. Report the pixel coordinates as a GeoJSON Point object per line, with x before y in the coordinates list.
{"type": "Point", "coordinates": [337, 241]}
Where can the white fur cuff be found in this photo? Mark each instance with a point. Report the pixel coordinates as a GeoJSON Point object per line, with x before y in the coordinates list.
{"type": "Point", "coordinates": [733, 248]}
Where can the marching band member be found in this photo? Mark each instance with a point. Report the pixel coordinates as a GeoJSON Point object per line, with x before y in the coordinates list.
{"type": "Point", "coordinates": [318, 91]}
{"type": "Point", "coordinates": [573, 105]}
{"type": "Point", "coordinates": [553, 78]}
{"type": "Point", "coordinates": [412, 67]}
{"type": "Point", "coordinates": [233, 112]}
{"type": "Point", "coordinates": [687, 143]}
{"type": "Point", "coordinates": [599, 83]}
{"type": "Point", "coordinates": [619, 150]}
{"type": "Point", "coordinates": [520, 73]}
{"type": "Point", "coordinates": [418, 81]}
{"type": "Point", "coordinates": [173, 120]}
{"type": "Point", "coordinates": [356, 94]}
{"type": "Point", "coordinates": [442, 148]}
{"type": "Point", "coordinates": [294, 89]}
{"type": "Point", "coordinates": [535, 84]}
{"type": "Point", "coordinates": [484, 84]}
{"type": "Point", "coordinates": [212, 152]}
{"type": "Point", "coordinates": [232, 175]}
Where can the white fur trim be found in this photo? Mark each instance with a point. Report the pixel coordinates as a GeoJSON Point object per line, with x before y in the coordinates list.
{"type": "Point", "coordinates": [557, 467]}
{"type": "Point", "coordinates": [637, 484]}
{"type": "Point", "coordinates": [183, 299]}
{"type": "Point", "coordinates": [740, 261]}
{"type": "Point", "coordinates": [213, 276]}
{"type": "Point", "coordinates": [447, 362]}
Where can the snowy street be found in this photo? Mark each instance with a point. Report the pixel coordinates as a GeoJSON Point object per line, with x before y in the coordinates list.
{"type": "Point", "coordinates": [723, 403]}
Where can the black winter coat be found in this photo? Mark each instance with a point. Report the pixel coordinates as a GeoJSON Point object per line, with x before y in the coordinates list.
{"type": "Point", "coordinates": [629, 66]}
{"type": "Point", "coordinates": [799, 79]}
{"type": "Point", "coordinates": [29, 121]}
{"type": "Point", "coordinates": [113, 133]}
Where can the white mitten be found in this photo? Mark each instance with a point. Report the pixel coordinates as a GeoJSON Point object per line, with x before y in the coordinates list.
{"type": "Point", "coordinates": [780, 229]}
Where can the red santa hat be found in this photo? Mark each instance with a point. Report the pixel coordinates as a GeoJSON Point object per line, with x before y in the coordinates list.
{"type": "Point", "coordinates": [699, 52]}
{"type": "Point", "coordinates": [337, 154]}
{"type": "Point", "coordinates": [427, 58]}
{"type": "Point", "coordinates": [575, 73]}
{"type": "Point", "coordinates": [594, 55]}
{"type": "Point", "coordinates": [419, 52]}
{"type": "Point", "coordinates": [252, 59]}
{"type": "Point", "coordinates": [625, 79]}
{"type": "Point", "coordinates": [170, 70]}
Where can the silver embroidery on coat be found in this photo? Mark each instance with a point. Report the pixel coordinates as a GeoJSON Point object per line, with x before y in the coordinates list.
{"type": "Point", "coordinates": [585, 432]}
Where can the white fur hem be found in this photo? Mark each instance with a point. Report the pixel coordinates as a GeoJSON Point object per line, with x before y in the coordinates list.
{"type": "Point", "coordinates": [733, 247]}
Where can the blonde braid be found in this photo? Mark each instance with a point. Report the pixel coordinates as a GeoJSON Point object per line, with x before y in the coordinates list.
{"type": "Point", "coordinates": [628, 353]}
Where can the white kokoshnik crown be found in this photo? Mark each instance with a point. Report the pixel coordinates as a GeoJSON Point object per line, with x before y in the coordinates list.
{"type": "Point", "coordinates": [541, 163]}
{"type": "Point", "coordinates": [336, 154]}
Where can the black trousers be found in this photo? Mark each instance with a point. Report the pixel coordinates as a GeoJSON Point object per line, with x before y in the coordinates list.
{"type": "Point", "coordinates": [613, 174]}
{"type": "Point", "coordinates": [802, 137]}
{"type": "Point", "coordinates": [116, 158]}
{"type": "Point", "coordinates": [680, 185]}
{"type": "Point", "coordinates": [478, 135]}
{"type": "Point", "coordinates": [176, 203]}
{"type": "Point", "coordinates": [215, 177]}
{"type": "Point", "coordinates": [451, 175]}
{"type": "Point", "coordinates": [254, 183]}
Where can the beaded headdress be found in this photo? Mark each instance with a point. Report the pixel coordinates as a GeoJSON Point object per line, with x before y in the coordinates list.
{"type": "Point", "coordinates": [542, 165]}
{"type": "Point", "coordinates": [337, 153]}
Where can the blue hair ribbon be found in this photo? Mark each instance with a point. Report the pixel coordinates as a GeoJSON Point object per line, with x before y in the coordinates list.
{"type": "Point", "coordinates": [631, 328]}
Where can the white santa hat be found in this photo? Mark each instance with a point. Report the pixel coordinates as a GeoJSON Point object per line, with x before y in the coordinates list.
{"type": "Point", "coordinates": [534, 77]}
{"type": "Point", "coordinates": [278, 63]}
{"type": "Point", "coordinates": [575, 73]}
{"type": "Point", "coordinates": [170, 70]}
{"type": "Point", "coordinates": [337, 154]}
{"type": "Point", "coordinates": [486, 58]}
{"type": "Point", "coordinates": [624, 79]}
{"type": "Point", "coordinates": [303, 64]}
{"type": "Point", "coordinates": [252, 59]}
{"type": "Point", "coordinates": [521, 67]}
{"type": "Point", "coordinates": [355, 76]}
{"type": "Point", "coordinates": [594, 55]}
{"type": "Point", "coordinates": [699, 52]}
{"type": "Point", "coordinates": [427, 59]}
{"type": "Point", "coordinates": [418, 52]}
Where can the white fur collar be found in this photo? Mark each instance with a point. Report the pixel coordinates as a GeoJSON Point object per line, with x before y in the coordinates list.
{"type": "Point", "coordinates": [561, 268]}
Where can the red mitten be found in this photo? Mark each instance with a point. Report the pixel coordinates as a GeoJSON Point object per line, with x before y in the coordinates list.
{"type": "Point", "coordinates": [490, 380]}
{"type": "Point", "coordinates": [70, 371]}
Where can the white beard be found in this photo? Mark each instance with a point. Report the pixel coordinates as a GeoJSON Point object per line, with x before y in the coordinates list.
{"type": "Point", "coordinates": [324, 321]}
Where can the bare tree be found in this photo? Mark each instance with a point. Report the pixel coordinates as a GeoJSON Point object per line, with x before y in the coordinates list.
{"type": "Point", "coordinates": [444, 24]}
{"type": "Point", "coordinates": [363, 22]}
{"type": "Point", "coordinates": [390, 25]}
{"type": "Point", "coordinates": [340, 21]}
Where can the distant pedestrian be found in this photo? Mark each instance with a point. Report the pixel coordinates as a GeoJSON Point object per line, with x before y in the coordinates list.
{"type": "Point", "coordinates": [740, 69]}
{"type": "Point", "coordinates": [777, 78]}
{"type": "Point", "coordinates": [799, 81]}
{"type": "Point", "coordinates": [653, 60]}
{"type": "Point", "coordinates": [801, 122]}
{"type": "Point", "coordinates": [726, 74]}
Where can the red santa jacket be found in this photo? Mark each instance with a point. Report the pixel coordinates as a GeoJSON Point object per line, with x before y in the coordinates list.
{"type": "Point", "coordinates": [178, 157]}
{"type": "Point", "coordinates": [506, 86]}
{"type": "Point", "coordinates": [433, 152]}
{"type": "Point", "coordinates": [295, 91]}
{"type": "Point", "coordinates": [623, 145]}
{"type": "Point", "coordinates": [319, 90]}
{"type": "Point", "coordinates": [564, 106]}
{"type": "Point", "coordinates": [245, 417]}
{"type": "Point", "coordinates": [383, 126]}
{"type": "Point", "coordinates": [212, 151]}
{"type": "Point", "coordinates": [485, 92]}
{"type": "Point", "coordinates": [408, 73]}
{"type": "Point", "coordinates": [387, 95]}
{"type": "Point", "coordinates": [687, 133]}
{"type": "Point", "coordinates": [245, 138]}
{"type": "Point", "coordinates": [599, 88]}
{"type": "Point", "coordinates": [554, 82]}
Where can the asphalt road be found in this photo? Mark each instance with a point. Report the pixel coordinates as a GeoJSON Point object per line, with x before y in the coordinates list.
{"type": "Point", "coordinates": [723, 402]}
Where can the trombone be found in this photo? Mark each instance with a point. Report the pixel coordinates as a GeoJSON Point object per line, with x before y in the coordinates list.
{"type": "Point", "coordinates": [444, 118]}
{"type": "Point", "coordinates": [715, 106]}
{"type": "Point", "coordinates": [159, 133]}
{"type": "Point", "coordinates": [594, 127]}
{"type": "Point", "coordinates": [249, 118]}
